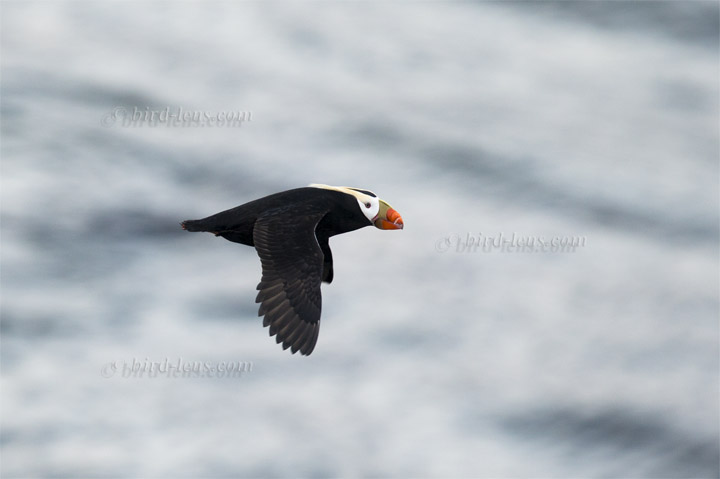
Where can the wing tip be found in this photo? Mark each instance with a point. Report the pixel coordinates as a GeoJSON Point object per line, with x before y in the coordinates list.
{"type": "Point", "coordinates": [300, 338]}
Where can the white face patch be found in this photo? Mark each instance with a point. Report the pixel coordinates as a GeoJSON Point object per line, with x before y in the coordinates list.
{"type": "Point", "coordinates": [369, 205]}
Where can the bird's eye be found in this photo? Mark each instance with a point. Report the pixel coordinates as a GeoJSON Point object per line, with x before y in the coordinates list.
{"type": "Point", "coordinates": [367, 205]}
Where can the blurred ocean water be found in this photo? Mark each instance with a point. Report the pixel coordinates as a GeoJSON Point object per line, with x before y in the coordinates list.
{"type": "Point", "coordinates": [592, 120]}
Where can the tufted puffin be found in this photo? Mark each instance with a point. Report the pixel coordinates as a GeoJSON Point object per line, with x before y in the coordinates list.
{"type": "Point", "coordinates": [290, 231]}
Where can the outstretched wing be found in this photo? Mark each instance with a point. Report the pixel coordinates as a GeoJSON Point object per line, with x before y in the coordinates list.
{"type": "Point", "coordinates": [292, 268]}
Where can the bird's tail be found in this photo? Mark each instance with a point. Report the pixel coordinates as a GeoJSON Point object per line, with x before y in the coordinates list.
{"type": "Point", "coordinates": [193, 225]}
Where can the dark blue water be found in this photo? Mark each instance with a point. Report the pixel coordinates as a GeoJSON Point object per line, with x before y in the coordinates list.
{"type": "Point", "coordinates": [589, 122]}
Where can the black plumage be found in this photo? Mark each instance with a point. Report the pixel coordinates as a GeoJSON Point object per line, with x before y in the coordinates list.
{"type": "Point", "coordinates": [290, 232]}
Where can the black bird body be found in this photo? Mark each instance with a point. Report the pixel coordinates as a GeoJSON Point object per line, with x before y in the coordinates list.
{"type": "Point", "coordinates": [237, 224]}
{"type": "Point", "coordinates": [290, 231]}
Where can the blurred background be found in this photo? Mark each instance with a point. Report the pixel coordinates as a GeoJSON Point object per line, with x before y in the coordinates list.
{"type": "Point", "coordinates": [596, 120]}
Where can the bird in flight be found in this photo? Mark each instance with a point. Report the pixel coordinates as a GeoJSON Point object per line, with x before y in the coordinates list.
{"type": "Point", "coordinates": [290, 231]}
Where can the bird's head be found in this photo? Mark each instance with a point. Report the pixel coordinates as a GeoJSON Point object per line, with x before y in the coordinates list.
{"type": "Point", "coordinates": [377, 211]}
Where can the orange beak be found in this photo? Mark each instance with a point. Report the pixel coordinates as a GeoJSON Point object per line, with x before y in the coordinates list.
{"type": "Point", "coordinates": [393, 222]}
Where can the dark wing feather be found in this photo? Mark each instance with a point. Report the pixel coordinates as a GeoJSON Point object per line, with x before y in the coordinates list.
{"type": "Point", "coordinates": [292, 265]}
